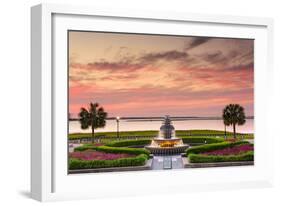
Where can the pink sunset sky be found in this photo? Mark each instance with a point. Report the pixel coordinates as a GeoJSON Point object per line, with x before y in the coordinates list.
{"type": "Point", "coordinates": [157, 75]}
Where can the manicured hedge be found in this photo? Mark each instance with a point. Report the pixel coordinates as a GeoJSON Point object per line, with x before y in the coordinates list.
{"type": "Point", "coordinates": [198, 158]}
{"type": "Point", "coordinates": [135, 151]}
{"type": "Point", "coordinates": [84, 147]}
{"type": "Point", "coordinates": [198, 140]}
{"type": "Point", "coordinates": [128, 143]}
{"type": "Point", "coordinates": [212, 147]}
{"type": "Point", "coordinates": [122, 162]}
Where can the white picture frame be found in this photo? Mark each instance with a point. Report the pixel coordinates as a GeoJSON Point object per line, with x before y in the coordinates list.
{"type": "Point", "coordinates": [49, 178]}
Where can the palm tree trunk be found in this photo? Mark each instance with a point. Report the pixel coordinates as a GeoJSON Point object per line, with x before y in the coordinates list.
{"type": "Point", "coordinates": [234, 130]}
{"type": "Point", "coordinates": [224, 131]}
{"type": "Point", "coordinates": [93, 133]}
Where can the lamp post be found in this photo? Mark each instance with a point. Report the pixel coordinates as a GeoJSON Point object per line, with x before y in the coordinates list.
{"type": "Point", "coordinates": [117, 121]}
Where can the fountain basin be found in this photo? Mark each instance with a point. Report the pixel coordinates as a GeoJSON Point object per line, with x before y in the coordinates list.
{"type": "Point", "coordinates": [167, 150]}
{"type": "Point", "coordinates": [166, 142]}
{"type": "Point", "coordinates": [161, 146]}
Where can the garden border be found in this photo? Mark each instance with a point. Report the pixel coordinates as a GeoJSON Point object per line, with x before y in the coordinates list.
{"type": "Point", "coordinates": [147, 166]}
{"type": "Point", "coordinates": [187, 164]}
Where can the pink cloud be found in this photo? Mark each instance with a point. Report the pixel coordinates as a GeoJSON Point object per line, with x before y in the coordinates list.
{"type": "Point", "coordinates": [169, 82]}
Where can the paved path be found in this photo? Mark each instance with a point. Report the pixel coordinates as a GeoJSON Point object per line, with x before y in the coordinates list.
{"type": "Point", "coordinates": [250, 140]}
{"type": "Point", "coordinates": [167, 162]}
{"type": "Point", "coordinates": [72, 146]}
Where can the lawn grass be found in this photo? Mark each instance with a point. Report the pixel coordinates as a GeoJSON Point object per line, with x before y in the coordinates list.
{"type": "Point", "coordinates": [198, 131]}
{"type": "Point", "coordinates": [218, 133]}
{"type": "Point", "coordinates": [113, 134]}
{"type": "Point", "coordinates": [154, 133]}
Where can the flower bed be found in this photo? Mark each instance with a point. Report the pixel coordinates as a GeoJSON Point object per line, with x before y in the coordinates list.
{"type": "Point", "coordinates": [90, 157]}
{"type": "Point", "coordinates": [235, 150]}
{"type": "Point", "coordinates": [96, 155]}
{"type": "Point", "coordinates": [213, 147]}
{"type": "Point", "coordinates": [139, 160]}
{"type": "Point", "coordinates": [115, 150]}
{"type": "Point", "coordinates": [221, 152]}
{"type": "Point", "coordinates": [98, 144]}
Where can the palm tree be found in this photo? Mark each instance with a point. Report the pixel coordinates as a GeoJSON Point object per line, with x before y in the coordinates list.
{"type": "Point", "coordinates": [233, 114]}
{"type": "Point", "coordinates": [94, 117]}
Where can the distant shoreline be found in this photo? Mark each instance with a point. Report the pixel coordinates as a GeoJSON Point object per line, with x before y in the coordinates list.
{"type": "Point", "coordinates": [175, 118]}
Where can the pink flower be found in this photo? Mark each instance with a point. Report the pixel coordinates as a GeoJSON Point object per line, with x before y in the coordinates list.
{"type": "Point", "coordinates": [231, 151]}
{"type": "Point", "coordinates": [98, 144]}
{"type": "Point", "coordinates": [95, 155]}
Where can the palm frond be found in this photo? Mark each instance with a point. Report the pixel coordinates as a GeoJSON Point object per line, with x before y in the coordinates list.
{"type": "Point", "coordinates": [234, 114]}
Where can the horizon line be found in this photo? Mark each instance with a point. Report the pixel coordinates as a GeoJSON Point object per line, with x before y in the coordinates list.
{"type": "Point", "coordinates": [172, 117]}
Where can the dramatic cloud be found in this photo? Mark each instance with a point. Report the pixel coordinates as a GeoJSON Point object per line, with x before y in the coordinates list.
{"type": "Point", "coordinates": [216, 57]}
{"type": "Point", "coordinates": [168, 55]}
{"type": "Point", "coordinates": [110, 66]}
{"type": "Point", "coordinates": [139, 76]}
{"type": "Point", "coordinates": [197, 41]}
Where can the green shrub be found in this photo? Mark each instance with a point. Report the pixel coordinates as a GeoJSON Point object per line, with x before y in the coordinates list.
{"type": "Point", "coordinates": [107, 149]}
{"type": "Point", "coordinates": [212, 147]}
{"type": "Point", "coordinates": [127, 143]}
{"type": "Point", "coordinates": [198, 158]}
{"type": "Point", "coordinates": [84, 147]}
{"type": "Point", "coordinates": [198, 140]}
{"type": "Point", "coordinates": [135, 151]}
{"type": "Point", "coordinates": [122, 162]}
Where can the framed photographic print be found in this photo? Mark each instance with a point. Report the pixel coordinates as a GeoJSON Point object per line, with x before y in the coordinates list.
{"type": "Point", "coordinates": [178, 99]}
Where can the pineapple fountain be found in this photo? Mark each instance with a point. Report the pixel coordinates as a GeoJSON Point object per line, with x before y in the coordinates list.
{"type": "Point", "coordinates": [167, 143]}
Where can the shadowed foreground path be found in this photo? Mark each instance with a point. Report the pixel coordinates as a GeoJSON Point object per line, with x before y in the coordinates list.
{"type": "Point", "coordinates": [167, 162]}
{"type": "Point", "coordinates": [250, 141]}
